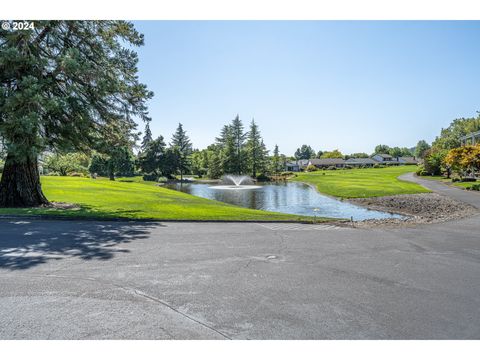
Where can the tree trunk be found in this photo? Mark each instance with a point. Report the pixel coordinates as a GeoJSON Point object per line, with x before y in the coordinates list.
{"type": "Point", "coordinates": [20, 184]}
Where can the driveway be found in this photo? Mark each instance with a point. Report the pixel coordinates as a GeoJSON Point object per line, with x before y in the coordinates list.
{"type": "Point", "coordinates": [131, 280]}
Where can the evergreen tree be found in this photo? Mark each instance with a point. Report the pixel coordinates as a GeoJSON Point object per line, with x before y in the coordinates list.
{"type": "Point", "coordinates": [225, 134]}
{"type": "Point", "coordinates": [238, 137]}
{"type": "Point", "coordinates": [156, 160]}
{"type": "Point", "coordinates": [147, 137]}
{"type": "Point", "coordinates": [121, 162]}
{"type": "Point", "coordinates": [65, 86]}
{"type": "Point", "coordinates": [276, 161]}
{"type": "Point", "coordinates": [283, 162]}
{"type": "Point", "coordinates": [255, 152]}
{"type": "Point", "coordinates": [215, 165]}
{"type": "Point", "coordinates": [262, 167]}
{"type": "Point", "coordinates": [181, 143]}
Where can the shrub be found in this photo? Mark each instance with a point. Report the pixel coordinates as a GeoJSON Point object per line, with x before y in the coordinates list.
{"type": "Point", "coordinates": [421, 171]}
{"type": "Point", "coordinates": [469, 179]}
{"type": "Point", "coordinates": [54, 173]}
{"type": "Point", "coordinates": [76, 174]}
{"type": "Point", "coordinates": [475, 187]}
{"type": "Point", "coordinates": [331, 168]}
{"type": "Point", "coordinates": [150, 177]}
{"type": "Point", "coordinates": [287, 173]}
{"type": "Point", "coordinates": [434, 161]}
{"type": "Point", "coordinates": [263, 177]}
{"type": "Point", "coordinates": [311, 168]}
{"type": "Point", "coordinates": [348, 167]}
{"type": "Point", "coordinates": [378, 166]}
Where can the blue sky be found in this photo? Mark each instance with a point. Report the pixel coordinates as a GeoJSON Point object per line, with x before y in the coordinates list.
{"type": "Point", "coordinates": [330, 84]}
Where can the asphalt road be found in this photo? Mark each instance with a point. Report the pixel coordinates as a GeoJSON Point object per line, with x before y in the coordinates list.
{"type": "Point", "coordinates": [129, 280]}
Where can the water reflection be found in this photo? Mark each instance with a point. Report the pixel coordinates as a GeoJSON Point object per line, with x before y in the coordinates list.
{"type": "Point", "coordinates": [290, 198]}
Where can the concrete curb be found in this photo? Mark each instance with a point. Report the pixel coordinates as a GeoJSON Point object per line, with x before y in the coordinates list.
{"type": "Point", "coordinates": [75, 218]}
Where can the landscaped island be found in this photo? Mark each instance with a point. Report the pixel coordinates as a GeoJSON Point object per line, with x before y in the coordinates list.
{"type": "Point", "coordinates": [362, 183]}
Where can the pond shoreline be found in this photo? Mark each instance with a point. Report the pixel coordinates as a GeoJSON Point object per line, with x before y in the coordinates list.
{"type": "Point", "coordinates": [426, 208]}
{"type": "Point", "coordinates": [423, 208]}
{"type": "Point", "coordinates": [288, 197]}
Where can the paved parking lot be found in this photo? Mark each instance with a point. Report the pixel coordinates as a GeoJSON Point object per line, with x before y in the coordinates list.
{"type": "Point", "coordinates": [128, 280]}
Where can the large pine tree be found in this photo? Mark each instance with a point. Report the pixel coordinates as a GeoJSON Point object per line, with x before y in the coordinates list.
{"type": "Point", "coordinates": [255, 150]}
{"type": "Point", "coordinates": [276, 161]}
{"type": "Point", "coordinates": [65, 85]}
{"type": "Point", "coordinates": [147, 137]}
{"type": "Point", "coordinates": [239, 153]}
{"type": "Point", "coordinates": [183, 148]}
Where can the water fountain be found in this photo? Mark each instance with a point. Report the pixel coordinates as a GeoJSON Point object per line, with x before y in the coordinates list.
{"type": "Point", "coordinates": [236, 182]}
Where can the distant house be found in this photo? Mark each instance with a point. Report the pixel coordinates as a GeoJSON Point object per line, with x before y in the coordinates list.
{"type": "Point", "coordinates": [361, 162]}
{"type": "Point", "coordinates": [407, 160]}
{"type": "Point", "coordinates": [325, 163]}
{"type": "Point", "coordinates": [292, 166]}
{"type": "Point", "coordinates": [299, 165]}
{"type": "Point", "coordinates": [302, 164]}
{"type": "Point", "coordinates": [385, 159]}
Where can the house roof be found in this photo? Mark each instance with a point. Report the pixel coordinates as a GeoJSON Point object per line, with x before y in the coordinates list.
{"type": "Point", "coordinates": [408, 159]}
{"type": "Point", "coordinates": [384, 155]}
{"type": "Point", "coordinates": [326, 161]}
{"type": "Point", "coordinates": [360, 161]}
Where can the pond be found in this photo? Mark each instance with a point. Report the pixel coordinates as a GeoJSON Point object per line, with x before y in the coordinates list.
{"type": "Point", "coordinates": [291, 198]}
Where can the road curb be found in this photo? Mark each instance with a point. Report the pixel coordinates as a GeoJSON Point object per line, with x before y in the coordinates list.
{"type": "Point", "coordinates": [74, 218]}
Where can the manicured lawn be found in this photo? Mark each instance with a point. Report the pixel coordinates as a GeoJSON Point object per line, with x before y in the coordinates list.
{"type": "Point", "coordinates": [449, 181]}
{"type": "Point", "coordinates": [138, 200]}
{"type": "Point", "coordinates": [359, 183]}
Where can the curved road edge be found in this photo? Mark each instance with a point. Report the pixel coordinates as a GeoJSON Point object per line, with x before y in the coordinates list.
{"type": "Point", "coordinates": [469, 197]}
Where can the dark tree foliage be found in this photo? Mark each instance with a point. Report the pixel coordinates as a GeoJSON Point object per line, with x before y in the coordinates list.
{"type": "Point", "coordinates": [157, 160]}
{"type": "Point", "coordinates": [421, 149]}
{"type": "Point", "coordinates": [239, 153]}
{"type": "Point", "coordinates": [66, 86]}
{"type": "Point", "coordinates": [98, 165]}
{"type": "Point", "coordinates": [183, 149]}
{"type": "Point", "coordinates": [305, 152]}
{"type": "Point", "coordinates": [256, 152]}
{"type": "Point", "coordinates": [382, 149]}
{"type": "Point", "coordinates": [119, 162]}
{"type": "Point", "coordinates": [233, 154]}
{"type": "Point", "coordinates": [276, 161]}
{"type": "Point", "coordinates": [147, 137]}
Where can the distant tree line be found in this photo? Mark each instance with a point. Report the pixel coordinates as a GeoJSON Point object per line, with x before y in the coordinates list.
{"type": "Point", "coordinates": [446, 155]}
{"type": "Point", "coordinates": [237, 150]}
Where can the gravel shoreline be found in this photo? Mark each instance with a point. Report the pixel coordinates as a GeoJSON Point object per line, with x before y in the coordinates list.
{"type": "Point", "coordinates": [426, 208]}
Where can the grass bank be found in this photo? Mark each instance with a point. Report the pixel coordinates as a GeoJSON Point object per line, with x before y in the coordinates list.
{"type": "Point", "coordinates": [361, 183]}
{"type": "Point", "coordinates": [136, 199]}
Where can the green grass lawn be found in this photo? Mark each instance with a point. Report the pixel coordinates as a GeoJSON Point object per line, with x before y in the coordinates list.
{"type": "Point", "coordinates": [359, 183]}
{"type": "Point", "coordinates": [449, 181]}
{"type": "Point", "coordinates": [138, 199]}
